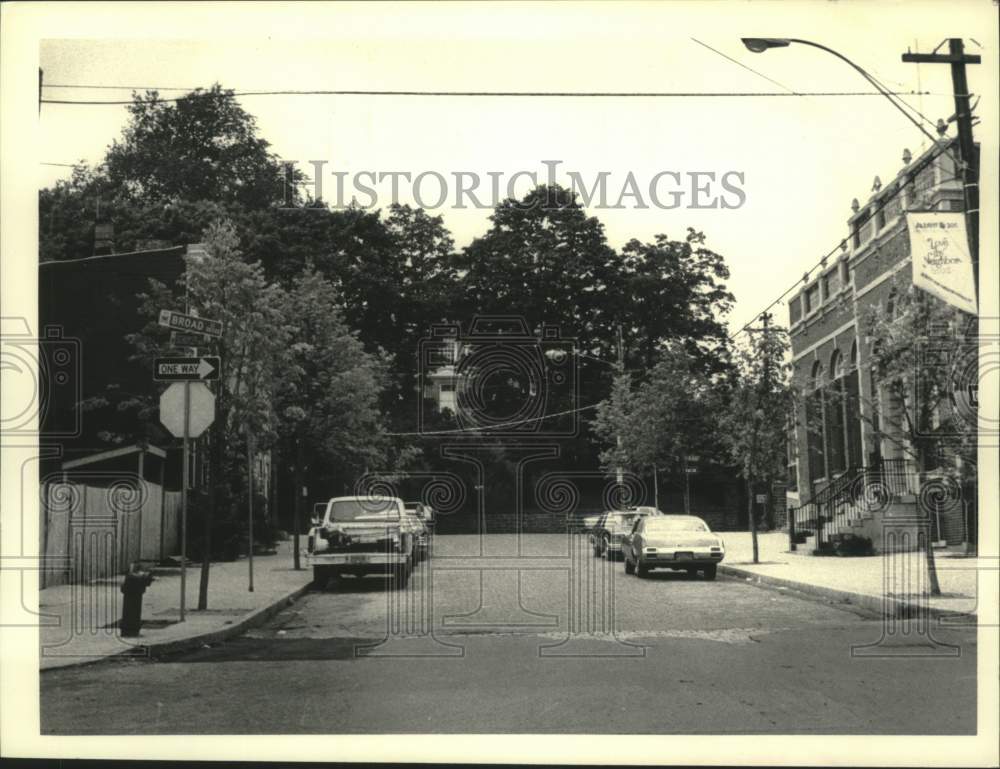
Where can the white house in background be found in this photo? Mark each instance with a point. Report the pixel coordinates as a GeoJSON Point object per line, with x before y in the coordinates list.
{"type": "Point", "coordinates": [440, 383]}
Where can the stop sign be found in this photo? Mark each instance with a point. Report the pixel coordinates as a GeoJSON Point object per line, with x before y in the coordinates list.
{"type": "Point", "coordinates": [201, 408]}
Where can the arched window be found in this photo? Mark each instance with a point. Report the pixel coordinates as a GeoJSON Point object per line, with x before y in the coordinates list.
{"type": "Point", "coordinates": [854, 354]}
{"type": "Point", "coordinates": [816, 377]}
{"type": "Point", "coordinates": [836, 365]}
{"type": "Point", "coordinates": [816, 456]}
{"type": "Point", "coordinates": [834, 420]}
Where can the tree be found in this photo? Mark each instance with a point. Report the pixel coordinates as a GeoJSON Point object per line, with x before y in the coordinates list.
{"type": "Point", "coordinates": [753, 409]}
{"type": "Point", "coordinates": [674, 290]}
{"type": "Point", "coordinates": [204, 146]}
{"type": "Point", "coordinates": [914, 339]}
{"type": "Point", "coordinates": [327, 399]}
{"type": "Point", "coordinates": [663, 420]}
{"type": "Point", "coordinates": [545, 259]}
{"type": "Point", "coordinates": [221, 285]}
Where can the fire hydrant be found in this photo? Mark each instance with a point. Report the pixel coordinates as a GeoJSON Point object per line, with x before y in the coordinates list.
{"type": "Point", "coordinates": [135, 584]}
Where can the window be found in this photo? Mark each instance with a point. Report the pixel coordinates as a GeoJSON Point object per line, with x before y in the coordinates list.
{"type": "Point", "coordinates": [890, 305]}
{"type": "Point", "coordinates": [792, 450]}
{"type": "Point", "coordinates": [674, 523]}
{"type": "Point", "coordinates": [836, 365]}
{"type": "Point", "coordinates": [816, 376]}
{"type": "Point", "coordinates": [812, 298]}
{"type": "Point", "coordinates": [831, 283]}
{"type": "Point", "coordinates": [794, 311]}
{"type": "Point", "coordinates": [834, 417]}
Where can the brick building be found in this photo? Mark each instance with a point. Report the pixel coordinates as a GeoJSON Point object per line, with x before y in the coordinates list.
{"type": "Point", "coordinates": [843, 434]}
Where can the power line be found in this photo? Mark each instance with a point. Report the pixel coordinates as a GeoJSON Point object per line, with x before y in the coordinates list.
{"type": "Point", "coordinates": [506, 94]}
{"type": "Point", "coordinates": [499, 426]}
{"type": "Point", "coordinates": [744, 66]}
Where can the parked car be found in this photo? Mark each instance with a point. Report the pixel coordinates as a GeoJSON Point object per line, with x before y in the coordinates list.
{"type": "Point", "coordinates": [611, 528]}
{"type": "Point", "coordinates": [362, 535]}
{"type": "Point", "coordinates": [588, 522]}
{"type": "Point", "coordinates": [421, 519]}
{"type": "Point", "coordinates": [678, 542]}
{"type": "Point", "coordinates": [422, 511]}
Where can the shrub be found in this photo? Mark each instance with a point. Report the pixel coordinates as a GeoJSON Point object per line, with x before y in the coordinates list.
{"type": "Point", "coordinates": [854, 545]}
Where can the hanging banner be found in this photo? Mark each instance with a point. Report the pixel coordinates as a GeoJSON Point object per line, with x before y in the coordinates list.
{"type": "Point", "coordinates": [940, 253]}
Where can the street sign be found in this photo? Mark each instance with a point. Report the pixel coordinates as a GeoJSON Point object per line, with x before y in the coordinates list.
{"type": "Point", "coordinates": [762, 499]}
{"type": "Point", "coordinates": [201, 405]}
{"type": "Point", "coordinates": [187, 339]}
{"type": "Point", "coordinates": [202, 369]}
{"type": "Point", "coordinates": [181, 322]}
{"type": "Point", "coordinates": [691, 470]}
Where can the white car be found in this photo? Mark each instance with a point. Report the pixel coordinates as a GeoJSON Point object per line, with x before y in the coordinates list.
{"type": "Point", "coordinates": [678, 542]}
{"type": "Point", "coordinates": [362, 535]}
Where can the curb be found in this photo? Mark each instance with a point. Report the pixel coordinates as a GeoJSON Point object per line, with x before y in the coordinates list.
{"type": "Point", "coordinates": [882, 605]}
{"type": "Point", "coordinates": [147, 651]}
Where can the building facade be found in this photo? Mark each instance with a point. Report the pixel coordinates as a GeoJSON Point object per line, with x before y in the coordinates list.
{"type": "Point", "coordinates": [847, 426]}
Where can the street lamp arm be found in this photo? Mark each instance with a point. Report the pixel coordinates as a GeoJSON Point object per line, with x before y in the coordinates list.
{"type": "Point", "coordinates": [759, 45]}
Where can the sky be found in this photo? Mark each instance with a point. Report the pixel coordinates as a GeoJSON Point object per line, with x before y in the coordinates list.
{"type": "Point", "coordinates": [802, 158]}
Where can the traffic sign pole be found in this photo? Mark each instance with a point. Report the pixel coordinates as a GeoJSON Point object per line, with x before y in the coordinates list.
{"type": "Point", "coordinates": [250, 505]}
{"type": "Point", "coordinates": [184, 497]}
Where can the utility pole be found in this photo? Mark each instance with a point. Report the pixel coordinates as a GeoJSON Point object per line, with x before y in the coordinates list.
{"type": "Point", "coordinates": [297, 508]}
{"type": "Point", "coordinates": [957, 58]}
{"type": "Point", "coordinates": [621, 369]}
{"type": "Point", "coordinates": [763, 387]}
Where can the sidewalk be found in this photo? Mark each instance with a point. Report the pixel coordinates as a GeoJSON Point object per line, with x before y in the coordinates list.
{"type": "Point", "coordinates": [873, 582]}
{"type": "Point", "coordinates": [78, 621]}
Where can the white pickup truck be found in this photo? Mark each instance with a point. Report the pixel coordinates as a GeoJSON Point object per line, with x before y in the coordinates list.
{"type": "Point", "coordinates": [362, 535]}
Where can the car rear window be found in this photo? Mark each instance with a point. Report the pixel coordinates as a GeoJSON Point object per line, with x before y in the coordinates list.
{"type": "Point", "coordinates": [357, 509]}
{"type": "Point", "coordinates": [668, 523]}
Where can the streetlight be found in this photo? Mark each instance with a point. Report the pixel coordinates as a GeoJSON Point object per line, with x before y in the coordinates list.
{"type": "Point", "coordinates": [761, 44]}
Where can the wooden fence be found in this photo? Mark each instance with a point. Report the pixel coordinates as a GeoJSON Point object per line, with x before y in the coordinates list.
{"type": "Point", "coordinates": [95, 532]}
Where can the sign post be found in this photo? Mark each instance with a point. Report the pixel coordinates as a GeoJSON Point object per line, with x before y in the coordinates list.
{"type": "Point", "coordinates": [250, 448]}
{"type": "Point", "coordinates": [184, 494]}
{"type": "Point", "coordinates": [186, 410]}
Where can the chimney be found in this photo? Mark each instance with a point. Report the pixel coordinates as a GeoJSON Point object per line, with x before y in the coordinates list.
{"type": "Point", "coordinates": [104, 238]}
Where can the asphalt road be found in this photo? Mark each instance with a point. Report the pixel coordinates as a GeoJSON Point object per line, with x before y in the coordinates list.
{"type": "Point", "coordinates": [543, 640]}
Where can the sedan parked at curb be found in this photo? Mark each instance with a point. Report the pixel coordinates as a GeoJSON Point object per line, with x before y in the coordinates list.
{"type": "Point", "coordinates": [422, 519]}
{"type": "Point", "coordinates": [612, 527]}
{"type": "Point", "coordinates": [362, 535]}
{"type": "Point", "coordinates": [677, 542]}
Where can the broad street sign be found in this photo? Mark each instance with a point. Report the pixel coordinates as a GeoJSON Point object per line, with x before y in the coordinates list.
{"type": "Point", "coordinates": [201, 407]}
{"type": "Point", "coordinates": [203, 369]}
{"type": "Point", "coordinates": [762, 499]}
{"type": "Point", "coordinates": [181, 322]}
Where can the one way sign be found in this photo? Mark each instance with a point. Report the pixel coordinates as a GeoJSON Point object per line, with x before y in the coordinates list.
{"type": "Point", "coordinates": [180, 369]}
